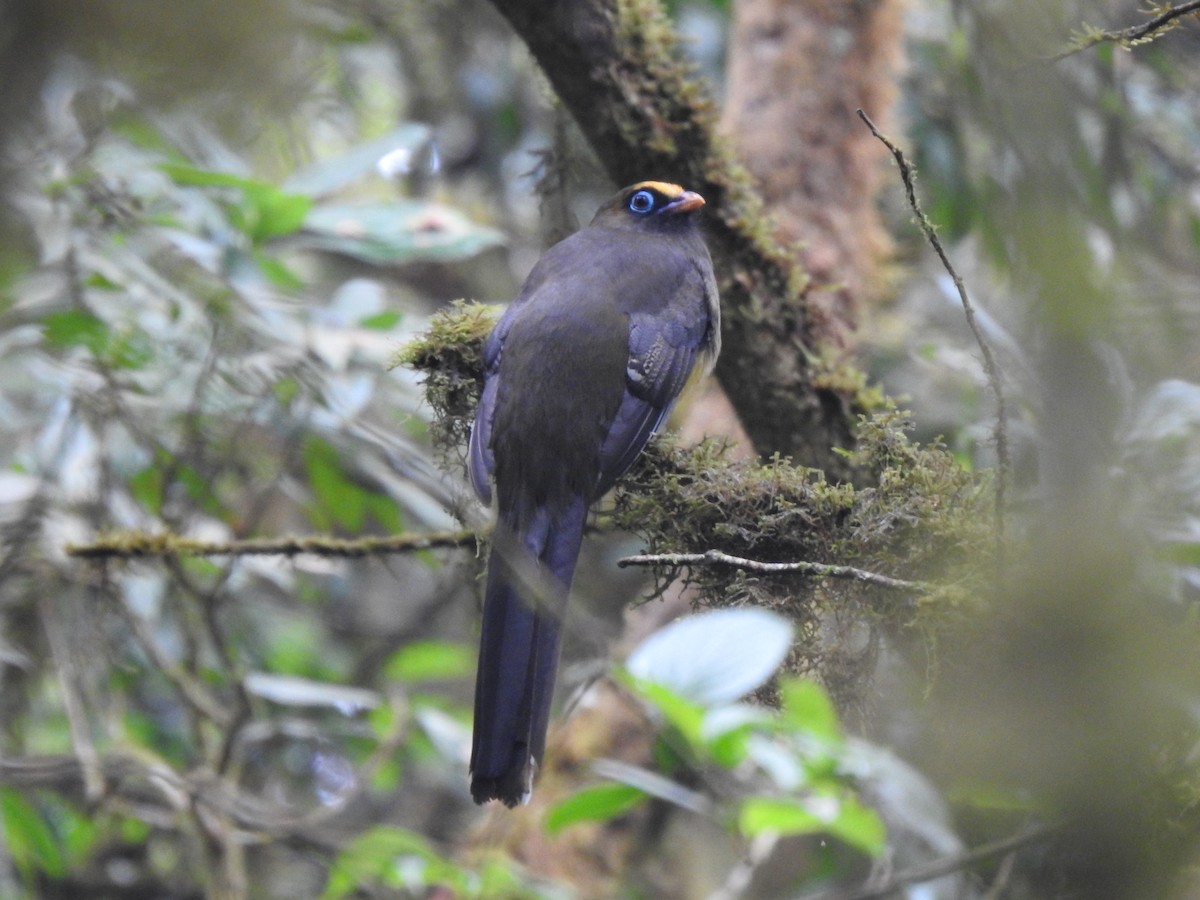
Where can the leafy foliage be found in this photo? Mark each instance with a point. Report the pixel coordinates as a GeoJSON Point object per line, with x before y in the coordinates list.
{"type": "Point", "coordinates": [183, 373]}
{"type": "Point", "coordinates": [785, 765]}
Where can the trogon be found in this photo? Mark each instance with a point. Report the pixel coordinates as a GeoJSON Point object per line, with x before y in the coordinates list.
{"type": "Point", "coordinates": [579, 372]}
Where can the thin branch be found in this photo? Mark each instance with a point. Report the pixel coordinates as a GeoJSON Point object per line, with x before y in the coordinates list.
{"type": "Point", "coordinates": [207, 602]}
{"type": "Point", "coordinates": [1134, 34]}
{"type": "Point", "coordinates": [1003, 876]}
{"type": "Point", "coordinates": [157, 791]}
{"type": "Point", "coordinates": [1000, 432]}
{"type": "Point", "coordinates": [939, 868]}
{"type": "Point", "coordinates": [139, 545]}
{"type": "Point", "coordinates": [815, 570]}
{"type": "Point", "coordinates": [195, 695]}
{"type": "Point", "coordinates": [741, 876]}
{"type": "Point", "coordinates": [68, 678]}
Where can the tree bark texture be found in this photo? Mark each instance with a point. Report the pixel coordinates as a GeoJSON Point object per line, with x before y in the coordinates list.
{"type": "Point", "coordinates": [615, 66]}
{"type": "Point", "coordinates": [797, 71]}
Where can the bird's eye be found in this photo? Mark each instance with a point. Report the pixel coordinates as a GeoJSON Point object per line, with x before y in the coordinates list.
{"type": "Point", "coordinates": [641, 202]}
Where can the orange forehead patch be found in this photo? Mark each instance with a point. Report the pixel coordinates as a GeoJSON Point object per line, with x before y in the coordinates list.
{"type": "Point", "coordinates": [663, 187]}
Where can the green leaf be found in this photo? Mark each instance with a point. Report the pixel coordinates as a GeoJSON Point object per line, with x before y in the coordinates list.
{"type": "Point", "coordinates": [273, 212]}
{"type": "Point", "coordinates": [995, 798]}
{"type": "Point", "coordinates": [76, 328]}
{"type": "Point", "coordinates": [130, 349]}
{"type": "Point", "coordinates": [339, 500]}
{"type": "Point", "coordinates": [806, 706]}
{"type": "Point", "coordinates": [198, 489]}
{"type": "Point", "coordinates": [727, 729]}
{"type": "Point", "coordinates": [684, 715]}
{"type": "Point", "coordinates": [147, 488]}
{"type": "Point", "coordinates": [497, 878]}
{"type": "Point", "coordinates": [384, 321]}
{"type": "Point", "coordinates": [294, 648]}
{"type": "Point", "coordinates": [101, 282]}
{"type": "Point", "coordinates": [385, 778]}
{"type": "Point", "coordinates": [385, 510]}
{"type": "Point", "coordinates": [371, 857]}
{"type": "Point", "coordinates": [427, 660]}
{"type": "Point", "coordinates": [266, 211]}
{"type": "Point", "coordinates": [859, 826]}
{"type": "Point", "coordinates": [278, 273]}
{"type": "Point", "coordinates": [79, 832]}
{"type": "Point", "coordinates": [594, 804]}
{"type": "Point", "coordinates": [286, 390]}
{"type": "Point", "coordinates": [194, 176]}
{"type": "Point", "coordinates": [134, 831]}
{"type": "Point", "coordinates": [31, 842]}
{"type": "Point", "coordinates": [781, 816]}
{"type": "Point", "coordinates": [841, 817]}
{"type": "Point", "coordinates": [1184, 553]}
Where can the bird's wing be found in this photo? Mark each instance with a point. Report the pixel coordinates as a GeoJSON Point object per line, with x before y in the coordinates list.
{"type": "Point", "coordinates": [480, 462]}
{"type": "Point", "coordinates": [663, 346]}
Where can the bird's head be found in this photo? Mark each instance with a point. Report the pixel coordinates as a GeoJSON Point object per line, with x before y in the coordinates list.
{"type": "Point", "coordinates": [649, 204]}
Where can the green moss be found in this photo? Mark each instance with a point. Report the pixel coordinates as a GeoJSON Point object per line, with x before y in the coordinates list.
{"type": "Point", "coordinates": [916, 515]}
{"type": "Point", "coordinates": [849, 382]}
{"type": "Point", "coordinates": [450, 356]}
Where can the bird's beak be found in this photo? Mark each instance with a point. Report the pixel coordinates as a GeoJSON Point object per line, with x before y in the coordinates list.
{"type": "Point", "coordinates": [686, 202]}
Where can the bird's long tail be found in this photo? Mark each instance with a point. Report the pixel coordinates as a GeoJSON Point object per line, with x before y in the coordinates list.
{"type": "Point", "coordinates": [529, 574]}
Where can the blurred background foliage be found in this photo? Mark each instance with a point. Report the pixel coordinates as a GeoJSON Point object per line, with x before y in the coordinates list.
{"type": "Point", "coordinates": [220, 222]}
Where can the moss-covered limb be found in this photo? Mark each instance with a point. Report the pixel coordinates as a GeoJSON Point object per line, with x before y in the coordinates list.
{"type": "Point", "coordinates": [911, 512]}
{"type": "Point", "coordinates": [615, 64]}
{"type": "Point", "coordinates": [140, 545]}
{"type": "Point", "coordinates": [450, 356]}
{"type": "Point", "coordinates": [914, 504]}
{"type": "Point", "coordinates": [1164, 17]}
{"type": "Point", "coordinates": [916, 516]}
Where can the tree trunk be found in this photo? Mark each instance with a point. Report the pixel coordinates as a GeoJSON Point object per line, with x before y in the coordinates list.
{"type": "Point", "coordinates": [615, 66]}
{"type": "Point", "coordinates": [798, 70]}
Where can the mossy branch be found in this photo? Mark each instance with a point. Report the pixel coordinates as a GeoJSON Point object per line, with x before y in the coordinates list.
{"type": "Point", "coordinates": [139, 545]}
{"type": "Point", "coordinates": [1165, 18]}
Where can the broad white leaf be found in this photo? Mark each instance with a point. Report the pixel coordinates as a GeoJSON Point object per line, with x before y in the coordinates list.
{"type": "Point", "coordinates": [715, 657]}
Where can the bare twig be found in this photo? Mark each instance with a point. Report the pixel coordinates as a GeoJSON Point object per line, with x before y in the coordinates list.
{"type": "Point", "coordinates": [77, 718]}
{"type": "Point", "coordinates": [159, 794]}
{"type": "Point", "coordinates": [1134, 34]}
{"type": "Point", "coordinates": [815, 570]}
{"type": "Point", "coordinates": [194, 693]}
{"type": "Point", "coordinates": [139, 545]}
{"type": "Point", "coordinates": [939, 868]}
{"type": "Point", "coordinates": [740, 877]}
{"type": "Point", "coordinates": [207, 601]}
{"type": "Point", "coordinates": [1003, 875]}
{"type": "Point", "coordinates": [1000, 432]}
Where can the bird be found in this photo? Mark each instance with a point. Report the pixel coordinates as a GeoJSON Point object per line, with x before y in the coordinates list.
{"type": "Point", "coordinates": [580, 370]}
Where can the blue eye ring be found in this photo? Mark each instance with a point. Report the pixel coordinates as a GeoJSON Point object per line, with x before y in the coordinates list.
{"type": "Point", "coordinates": [641, 202]}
